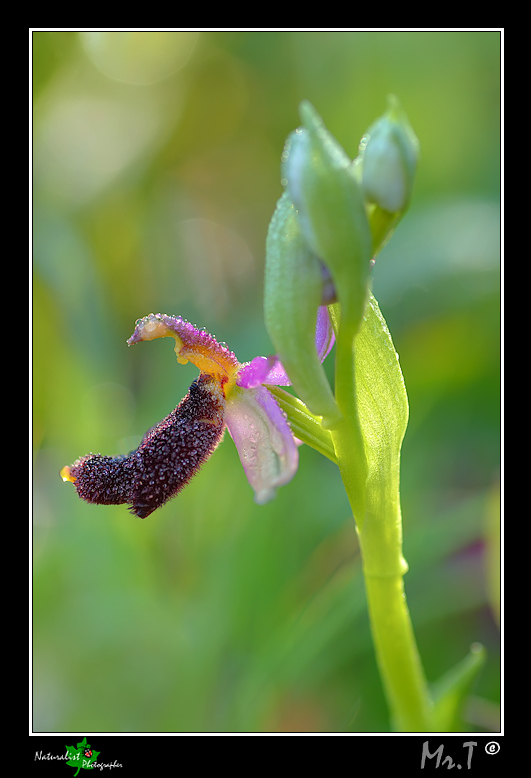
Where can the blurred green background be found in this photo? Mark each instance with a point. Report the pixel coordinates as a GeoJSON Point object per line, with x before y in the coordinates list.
{"type": "Point", "coordinates": [155, 173]}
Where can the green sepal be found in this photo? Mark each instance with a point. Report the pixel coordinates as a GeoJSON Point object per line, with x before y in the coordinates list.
{"type": "Point", "coordinates": [323, 186]}
{"type": "Point", "coordinates": [452, 690]}
{"type": "Point", "coordinates": [292, 295]}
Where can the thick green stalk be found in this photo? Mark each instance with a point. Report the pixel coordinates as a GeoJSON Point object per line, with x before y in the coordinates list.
{"type": "Point", "coordinates": [380, 536]}
{"type": "Point", "coordinates": [396, 650]}
{"type": "Point", "coordinates": [346, 435]}
{"type": "Point", "coordinates": [372, 399]}
{"type": "Point", "coordinates": [397, 655]}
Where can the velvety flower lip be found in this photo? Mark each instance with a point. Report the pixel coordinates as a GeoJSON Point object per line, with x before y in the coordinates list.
{"type": "Point", "coordinates": [167, 458]}
{"type": "Point", "coordinates": [226, 394]}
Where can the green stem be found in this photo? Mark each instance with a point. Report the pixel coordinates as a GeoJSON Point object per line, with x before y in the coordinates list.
{"type": "Point", "coordinates": [372, 484]}
{"type": "Point", "coordinates": [397, 655]}
{"type": "Point", "coordinates": [380, 536]}
{"type": "Point", "coordinates": [396, 650]}
{"type": "Point", "coordinates": [346, 435]}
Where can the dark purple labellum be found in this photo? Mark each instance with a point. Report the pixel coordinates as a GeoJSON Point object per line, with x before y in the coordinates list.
{"type": "Point", "coordinates": [170, 454]}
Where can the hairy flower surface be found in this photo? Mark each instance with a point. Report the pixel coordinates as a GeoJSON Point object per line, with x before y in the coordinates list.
{"type": "Point", "coordinates": [226, 394]}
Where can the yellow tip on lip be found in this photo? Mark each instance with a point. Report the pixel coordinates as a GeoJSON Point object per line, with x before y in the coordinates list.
{"type": "Point", "coordinates": [151, 330]}
{"type": "Point", "coordinates": [66, 475]}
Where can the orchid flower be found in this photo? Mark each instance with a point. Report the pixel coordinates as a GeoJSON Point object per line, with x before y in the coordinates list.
{"type": "Point", "coordinates": [226, 394]}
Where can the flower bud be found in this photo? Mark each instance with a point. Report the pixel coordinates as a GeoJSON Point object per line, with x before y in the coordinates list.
{"type": "Point", "coordinates": [322, 184]}
{"type": "Point", "coordinates": [388, 154]}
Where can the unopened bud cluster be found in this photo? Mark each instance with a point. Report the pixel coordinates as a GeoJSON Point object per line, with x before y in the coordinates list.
{"type": "Point", "coordinates": [333, 217]}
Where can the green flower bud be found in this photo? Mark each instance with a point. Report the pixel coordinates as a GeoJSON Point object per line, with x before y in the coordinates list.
{"type": "Point", "coordinates": [322, 184]}
{"type": "Point", "coordinates": [388, 154]}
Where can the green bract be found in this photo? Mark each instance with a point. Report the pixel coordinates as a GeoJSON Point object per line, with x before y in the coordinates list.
{"type": "Point", "coordinates": [382, 407]}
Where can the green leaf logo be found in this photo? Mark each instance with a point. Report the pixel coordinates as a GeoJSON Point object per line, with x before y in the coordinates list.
{"type": "Point", "coordinates": [81, 757]}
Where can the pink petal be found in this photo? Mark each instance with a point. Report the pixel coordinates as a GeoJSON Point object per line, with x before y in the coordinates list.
{"type": "Point", "coordinates": [324, 333]}
{"type": "Point", "coordinates": [263, 370]}
{"type": "Point", "coordinates": [265, 443]}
